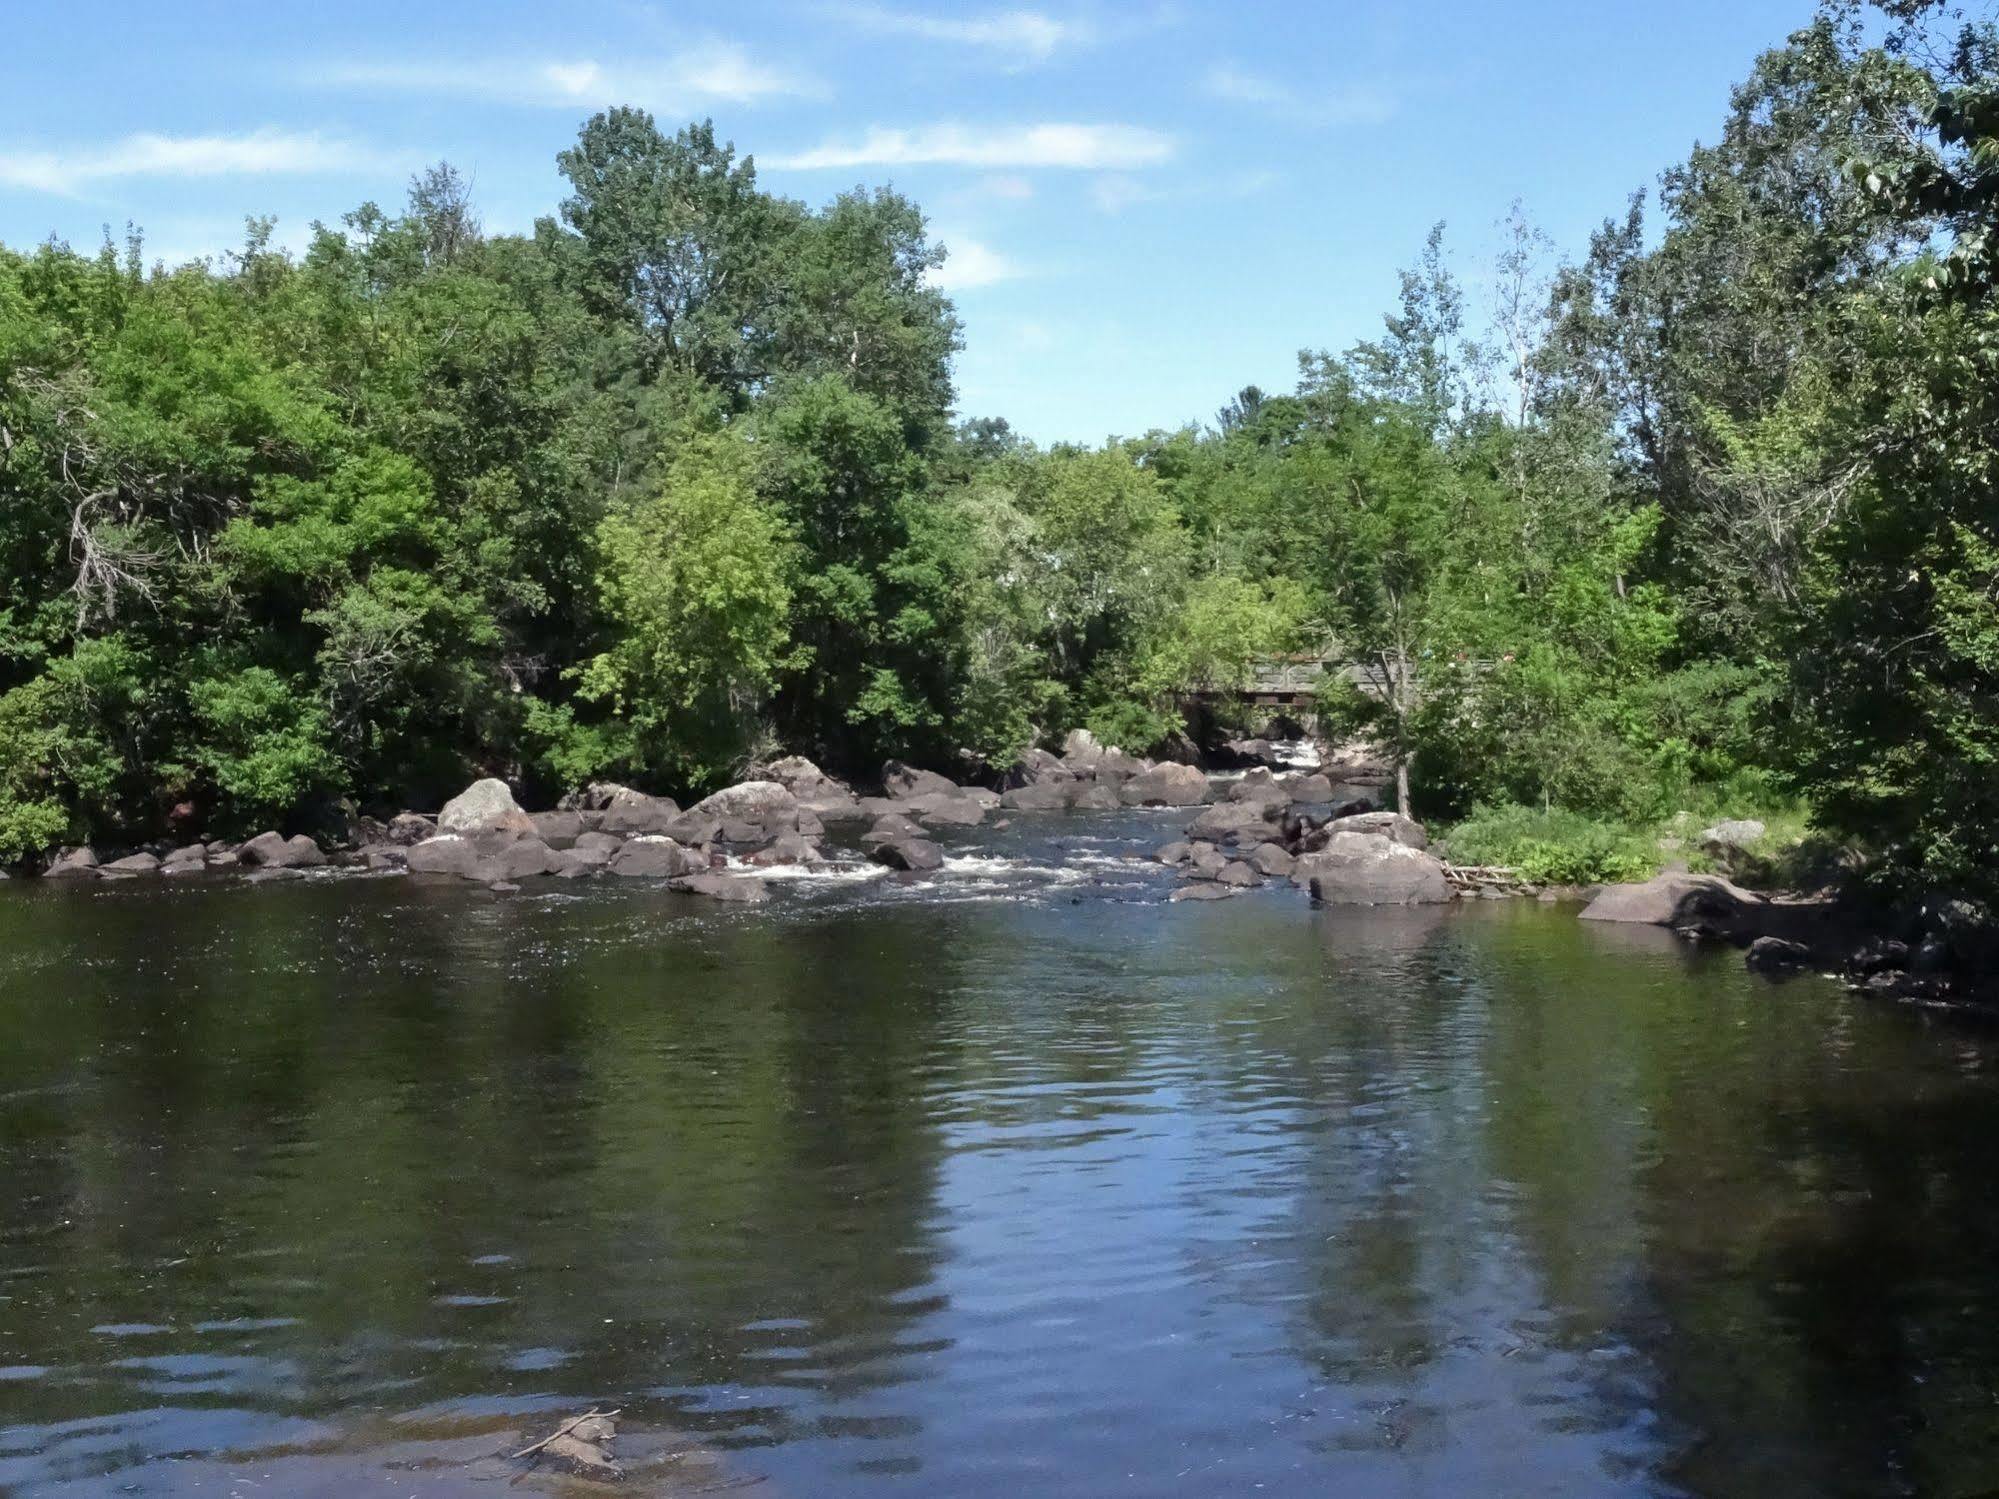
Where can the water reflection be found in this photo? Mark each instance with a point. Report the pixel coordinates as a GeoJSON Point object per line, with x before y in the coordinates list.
{"type": "Point", "coordinates": [992, 1196]}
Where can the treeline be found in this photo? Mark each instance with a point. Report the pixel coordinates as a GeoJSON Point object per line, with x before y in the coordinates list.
{"type": "Point", "coordinates": [675, 482]}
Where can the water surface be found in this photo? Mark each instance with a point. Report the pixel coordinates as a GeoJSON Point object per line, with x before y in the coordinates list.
{"type": "Point", "coordinates": [1015, 1180]}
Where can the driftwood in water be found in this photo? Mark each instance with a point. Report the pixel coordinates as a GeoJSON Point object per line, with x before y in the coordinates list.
{"type": "Point", "coordinates": [582, 1444]}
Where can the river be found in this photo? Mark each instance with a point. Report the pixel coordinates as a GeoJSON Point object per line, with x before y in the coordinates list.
{"type": "Point", "coordinates": [1010, 1180]}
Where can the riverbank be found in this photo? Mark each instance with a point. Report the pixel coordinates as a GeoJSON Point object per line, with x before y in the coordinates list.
{"type": "Point", "coordinates": [1322, 832]}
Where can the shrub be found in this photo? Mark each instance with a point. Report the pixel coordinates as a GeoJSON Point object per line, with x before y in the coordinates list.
{"type": "Point", "coordinates": [1553, 847]}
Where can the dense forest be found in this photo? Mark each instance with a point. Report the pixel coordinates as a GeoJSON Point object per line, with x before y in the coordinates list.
{"type": "Point", "coordinates": [1706, 516]}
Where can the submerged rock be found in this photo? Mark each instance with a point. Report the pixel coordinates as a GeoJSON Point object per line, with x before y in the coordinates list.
{"type": "Point", "coordinates": [742, 889]}
{"type": "Point", "coordinates": [1776, 955]}
{"type": "Point", "coordinates": [1207, 891]}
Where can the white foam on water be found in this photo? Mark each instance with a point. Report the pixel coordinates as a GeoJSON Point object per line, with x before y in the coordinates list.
{"type": "Point", "coordinates": [810, 874]}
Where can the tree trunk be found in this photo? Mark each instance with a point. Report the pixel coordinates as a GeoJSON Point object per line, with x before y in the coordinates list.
{"type": "Point", "coordinates": [1402, 784]}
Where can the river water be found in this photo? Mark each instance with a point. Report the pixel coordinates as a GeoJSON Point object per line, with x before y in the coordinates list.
{"type": "Point", "coordinates": [1012, 1180]}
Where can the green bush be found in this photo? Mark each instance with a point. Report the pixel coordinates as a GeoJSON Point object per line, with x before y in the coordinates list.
{"type": "Point", "coordinates": [1553, 847]}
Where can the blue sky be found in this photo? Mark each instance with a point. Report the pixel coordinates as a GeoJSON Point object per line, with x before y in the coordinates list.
{"type": "Point", "coordinates": [1149, 205]}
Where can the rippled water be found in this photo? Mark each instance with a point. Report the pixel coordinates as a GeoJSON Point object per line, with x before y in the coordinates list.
{"type": "Point", "coordinates": [1010, 1180]}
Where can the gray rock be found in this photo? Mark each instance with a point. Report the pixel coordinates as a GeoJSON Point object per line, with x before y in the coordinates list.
{"type": "Point", "coordinates": [1274, 860]}
{"type": "Point", "coordinates": [269, 851]}
{"type": "Point", "coordinates": [383, 857]}
{"type": "Point", "coordinates": [1312, 788]}
{"type": "Point", "coordinates": [787, 848]}
{"type": "Point", "coordinates": [1260, 786]}
{"type": "Point", "coordinates": [893, 828]}
{"type": "Point", "coordinates": [1206, 863]}
{"type": "Point", "coordinates": [763, 803]}
{"type": "Point", "coordinates": [1393, 825]}
{"type": "Point", "coordinates": [1776, 954]}
{"type": "Point", "coordinates": [1364, 869]}
{"type": "Point", "coordinates": [1169, 785]}
{"type": "Point", "coordinates": [938, 810]}
{"type": "Point", "coordinates": [486, 806]}
{"type": "Point", "coordinates": [742, 889]}
{"type": "Point", "coordinates": [1036, 766]}
{"type": "Point", "coordinates": [692, 830]}
{"type": "Point", "coordinates": [914, 854]}
{"type": "Point", "coordinates": [131, 864]}
{"type": "Point", "coordinates": [1203, 892]}
{"type": "Point", "coordinates": [812, 787]}
{"type": "Point", "coordinates": [73, 864]}
{"type": "Point", "coordinates": [1227, 821]}
{"type": "Point", "coordinates": [596, 849]}
{"type": "Point", "coordinates": [653, 857]}
{"type": "Point", "coordinates": [190, 859]}
{"type": "Point", "coordinates": [902, 782]}
{"type": "Point", "coordinates": [1095, 796]}
{"type": "Point", "coordinates": [1239, 874]}
{"type": "Point", "coordinates": [1080, 750]}
{"type": "Point", "coordinates": [628, 814]}
{"type": "Point", "coordinates": [1669, 900]}
{"type": "Point", "coordinates": [1175, 853]}
{"type": "Point", "coordinates": [1046, 795]}
{"type": "Point", "coordinates": [1116, 765]}
{"type": "Point", "coordinates": [447, 853]}
{"type": "Point", "coordinates": [1732, 834]}
{"type": "Point", "coordinates": [558, 829]}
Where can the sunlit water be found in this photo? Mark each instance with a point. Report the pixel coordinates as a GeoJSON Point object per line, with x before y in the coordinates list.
{"type": "Point", "coordinates": [1010, 1180]}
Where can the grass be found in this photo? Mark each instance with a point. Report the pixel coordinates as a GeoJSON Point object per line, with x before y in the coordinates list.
{"type": "Point", "coordinates": [1554, 847]}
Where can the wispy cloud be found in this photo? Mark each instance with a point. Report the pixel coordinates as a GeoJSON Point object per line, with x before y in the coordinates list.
{"type": "Point", "coordinates": [267, 152]}
{"type": "Point", "coordinates": [1114, 192]}
{"type": "Point", "coordinates": [1020, 38]}
{"type": "Point", "coordinates": [1081, 147]}
{"type": "Point", "coordinates": [972, 263]}
{"type": "Point", "coordinates": [714, 72]}
{"type": "Point", "coordinates": [1353, 104]}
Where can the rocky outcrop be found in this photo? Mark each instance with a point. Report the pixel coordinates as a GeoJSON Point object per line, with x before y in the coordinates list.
{"type": "Point", "coordinates": [1235, 822]}
{"type": "Point", "coordinates": [752, 804]}
{"type": "Point", "coordinates": [940, 809]}
{"type": "Point", "coordinates": [1170, 785]}
{"type": "Point", "coordinates": [1274, 860]}
{"type": "Point", "coordinates": [191, 858]}
{"type": "Point", "coordinates": [830, 799]}
{"type": "Point", "coordinates": [484, 807]}
{"type": "Point", "coordinates": [490, 858]}
{"type": "Point", "coordinates": [1365, 869]}
{"type": "Point", "coordinates": [1053, 794]}
{"type": "Point", "coordinates": [626, 813]}
{"type": "Point", "coordinates": [890, 829]}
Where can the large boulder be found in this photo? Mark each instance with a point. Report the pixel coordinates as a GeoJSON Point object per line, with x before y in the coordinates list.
{"type": "Point", "coordinates": [1364, 869]}
{"type": "Point", "coordinates": [1036, 766]}
{"type": "Point", "coordinates": [484, 807]}
{"type": "Point", "coordinates": [1273, 859]}
{"type": "Point", "coordinates": [1095, 796]}
{"type": "Point", "coordinates": [1115, 765]}
{"type": "Point", "coordinates": [914, 854]}
{"type": "Point", "coordinates": [763, 804]}
{"type": "Point", "coordinates": [1232, 822]}
{"type": "Point", "coordinates": [490, 858]}
{"type": "Point", "coordinates": [561, 829]}
{"type": "Point", "coordinates": [947, 811]}
{"type": "Point", "coordinates": [1671, 900]}
{"type": "Point", "coordinates": [1239, 874]}
{"type": "Point", "coordinates": [269, 851]}
{"type": "Point", "coordinates": [1261, 787]}
{"type": "Point", "coordinates": [1203, 892]}
{"type": "Point", "coordinates": [73, 864]}
{"type": "Point", "coordinates": [626, 813]}
{"type": "Point", "coordinates": [1392, 825]}
{"type": "Point", "coordinates": [786, 848]}
{"type": "Point", "coordinates": [1731, 834]}
{"type": "Point", "coordinates": [447, 853]}
{"type": "Point", "coordinates": [1081, 752]}
{"type": "Point", "coordinates": [890, 829]}
{"type": "Point", "coordinates": [131, 864]}
{"type": "Point", "coordinates": [1308, 788]}
{"type": "Point", "coordinates": [814, 789]}
{"type": "Point", "coordinates": [1050, 794]}
{"type": "Point", "coordinates": [903, 782]}
{"type": "Point", "coordinates": [594, 850]}
{"type": "Point", "coordinates": [1169, 785]}
{"type": "Point", "coordinates": [190, 859]}
{"type": "Point", "coordinates": [652, 857]}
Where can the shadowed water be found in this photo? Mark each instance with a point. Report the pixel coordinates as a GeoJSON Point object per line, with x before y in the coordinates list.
{"type": "Point", "coordinates": [1003, 1181]}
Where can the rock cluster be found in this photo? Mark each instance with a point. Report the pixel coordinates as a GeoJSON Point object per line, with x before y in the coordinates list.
{"type": "Point", "coordinates": [1089, 776]}
{"type": "Point", "coordinates": [1289, 828]}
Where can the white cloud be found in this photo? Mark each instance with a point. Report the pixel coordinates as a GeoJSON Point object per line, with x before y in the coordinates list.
{"type": "Point", "coordinates": [1348, 105]}
{"type": "Point", "coordinates": [719, 71]}
{"type": "Point", "coordinates": [1022, 37]}
{"type": "Point", "coordinates": [1086, 147]}
{"type": "Point", "coordinates": [1010, 186]}
{"type": "Point", "coordinates": [971, 263]}
{"type": "Point", "coordinates": [259, 153]}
